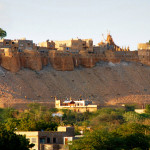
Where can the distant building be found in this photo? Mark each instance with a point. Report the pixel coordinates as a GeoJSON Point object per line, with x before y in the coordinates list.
{"type": "Point", "coordinates": [5, 43]}
{"type": "Point", "coordinates": [48, 44]}
{"type": "Point", "coordinates": [17, 45]}
{"type": "Point", "coordinates": [144, 53]}
{"type": "Point", "coordinates": [77, 106]}
{"type": "Point", "coordinates": [144, 46]}
{"type": "Point", "coordinates": [75, 45]}
{"type": "Point", "coordinates": [49, 140]}
{"type": "Point", "coordinates": [140, 111]}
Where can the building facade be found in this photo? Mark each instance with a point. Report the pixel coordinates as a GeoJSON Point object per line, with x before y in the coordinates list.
{"type": "Point", "coordinates": [144, 53]}
{"type": "Point", "coordinates": [49, 139]}
{"type": "Point", "coordinates": [75, 45]}
{"type": "Point", "coordinates": [79, 106]}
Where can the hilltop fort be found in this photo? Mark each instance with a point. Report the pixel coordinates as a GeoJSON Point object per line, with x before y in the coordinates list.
{"type": "Point", "coordinates": [66, 55]}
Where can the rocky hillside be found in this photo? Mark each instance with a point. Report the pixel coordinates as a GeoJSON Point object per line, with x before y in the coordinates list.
{"type": "Point", "coordinates": [106, 83]}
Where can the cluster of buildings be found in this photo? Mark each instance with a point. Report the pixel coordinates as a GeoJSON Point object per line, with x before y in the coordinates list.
{"type": "Point", "coordinates": [50, 140]}
{"type": "Point", "coordinates": [66, 55]}
{"type": "Point", "coordinates": [60, 139]}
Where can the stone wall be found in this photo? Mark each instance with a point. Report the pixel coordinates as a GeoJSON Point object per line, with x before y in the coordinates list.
{"type": "Point", "coordinates": [76, 60]}
{"type": "Point", "coordinates": [144, 56]}
{"type": "Point", "coordinates": [117, 56]}
{"type": "Point", "coordinates": [11, 63]}
{"type": "Point", "coordinates": [87, 60]}
{"type": "Point", "coordinates": [31, 59]}
{"type": "Point", "coordinates": [65, 61]}
{"type": "Point", "coordinates": [44, 59]}
{"type": "Point", "coordinates": [61, 61]}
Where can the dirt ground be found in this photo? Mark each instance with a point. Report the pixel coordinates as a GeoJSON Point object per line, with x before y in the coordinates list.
{"type": "Point", "coordinates": [106, 83]}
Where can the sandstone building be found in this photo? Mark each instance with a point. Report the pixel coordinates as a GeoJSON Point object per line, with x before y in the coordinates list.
{"type": "Point", "coordinates": [75, 45]}
{"type": "Point", "coordinates": [144, 53]}
{"type": "Point", "coordinates": [79, 106]}
{"type": "Point", "coordinates": [48, 44]}
{"type": "Point", "coordinates": [52, 140]}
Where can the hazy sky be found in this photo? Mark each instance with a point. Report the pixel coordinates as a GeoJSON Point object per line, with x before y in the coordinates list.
{"type": "Point", "coordinates": [39, 20]}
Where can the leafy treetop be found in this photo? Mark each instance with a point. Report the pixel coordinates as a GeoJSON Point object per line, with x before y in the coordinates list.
{"type": "Point", "coordinates": [3, 33]}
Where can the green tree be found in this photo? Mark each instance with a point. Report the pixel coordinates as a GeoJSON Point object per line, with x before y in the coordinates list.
{"type": "Point", "coordinates": [126, 137]}
{"type": "Point", "coordinates": [129, 107]}
{"type": "Point", "coordinates": [10, 141]}
{"type": "Point", "coordinates": [132, 116]}
{"type": "Point", "coordinates": [147, 108]}
{"type": "Point", "coordinates": [100, 139]}
{"type": "Point", "coordinates": [2, 33]}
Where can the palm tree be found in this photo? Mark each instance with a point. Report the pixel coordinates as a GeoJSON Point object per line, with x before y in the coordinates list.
{"type": "Point", "coordinates": [2, 33]}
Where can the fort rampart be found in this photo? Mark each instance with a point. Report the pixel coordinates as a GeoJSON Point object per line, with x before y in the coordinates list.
{"type": "Point", "coordinates": [63, 61]}
{"type": "Point", "coordinates": [66, 55]}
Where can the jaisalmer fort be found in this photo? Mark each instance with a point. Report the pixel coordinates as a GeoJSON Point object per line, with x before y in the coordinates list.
{"type": "Point", "coordinates": [67, 55]}
{"type": "Point", "coordinates": [64, 85]}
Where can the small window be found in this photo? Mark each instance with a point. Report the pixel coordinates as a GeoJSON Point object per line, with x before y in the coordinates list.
{"type": "Point", "coordinates": [33, 140]}
{"type": "Point", "coordinates": [42, 140]}
{"type": "Point", "coordinates": [48, 140]}
{"type": "Point", "coordinates": [54, 140]}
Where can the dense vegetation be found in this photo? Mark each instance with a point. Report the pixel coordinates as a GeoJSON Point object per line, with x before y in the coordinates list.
{"type": "Point", "coordinates": [116, 129]}
{"type": "Point", "coordinates": [10, 141]}
{"type": "Point", "coordinates": [35, 118]}
{"type": "Point", "coordinates": [106, 129]}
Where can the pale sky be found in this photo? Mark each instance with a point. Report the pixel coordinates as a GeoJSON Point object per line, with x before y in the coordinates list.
{"type": "Point", "coordinates": [127, 20]}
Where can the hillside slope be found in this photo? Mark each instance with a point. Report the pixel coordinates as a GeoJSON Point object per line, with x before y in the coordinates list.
{"type": "Point", "coordinates": [105, 83]}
